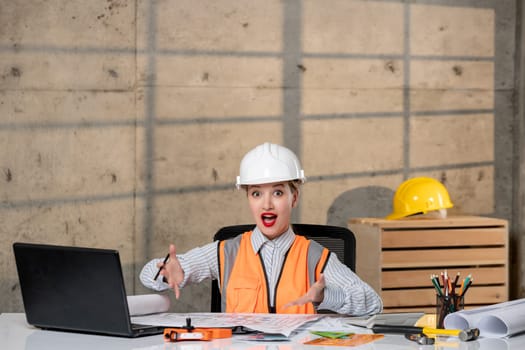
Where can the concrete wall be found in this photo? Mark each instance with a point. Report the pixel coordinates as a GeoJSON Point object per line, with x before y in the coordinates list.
{"type": "Point", "coordinates": [122, 123]}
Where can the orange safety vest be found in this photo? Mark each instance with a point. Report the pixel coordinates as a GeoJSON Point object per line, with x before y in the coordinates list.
{"type": "Point", "coordinates": [243, 283]}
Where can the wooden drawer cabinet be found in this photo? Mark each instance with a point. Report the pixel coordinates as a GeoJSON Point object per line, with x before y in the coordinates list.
{"type": "Point", "coordinates": [397, 257]}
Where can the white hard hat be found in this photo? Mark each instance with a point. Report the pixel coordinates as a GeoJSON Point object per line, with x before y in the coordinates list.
{"type": "Point", "coordinates": [268, 163]}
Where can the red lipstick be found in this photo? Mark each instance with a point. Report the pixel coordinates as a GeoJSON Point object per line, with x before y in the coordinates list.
{"type": "Point", "coordinates": [268, 219]}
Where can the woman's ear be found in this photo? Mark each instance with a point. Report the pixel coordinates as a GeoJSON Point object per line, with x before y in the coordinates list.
{"type": "Point", "coordinates": [295, 198]}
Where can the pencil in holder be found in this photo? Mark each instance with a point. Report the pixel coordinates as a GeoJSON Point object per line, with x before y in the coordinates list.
{"type": "Point", "coordinates": [447, 304]}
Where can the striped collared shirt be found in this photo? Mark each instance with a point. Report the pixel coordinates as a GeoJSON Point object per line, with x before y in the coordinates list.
{"type": "Point", "coordinates": [345, 292]}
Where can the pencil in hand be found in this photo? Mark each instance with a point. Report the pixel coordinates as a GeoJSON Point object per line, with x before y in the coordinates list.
{"type": "Point", "coordinates": [160, 268]}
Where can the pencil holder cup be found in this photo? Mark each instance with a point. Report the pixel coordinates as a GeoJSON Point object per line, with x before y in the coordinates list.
{"type": "Point", "coordinates": [447, 304]}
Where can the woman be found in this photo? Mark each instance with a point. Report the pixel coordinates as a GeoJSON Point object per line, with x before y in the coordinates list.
{"type": "Point", "coordinates": [269, 269]}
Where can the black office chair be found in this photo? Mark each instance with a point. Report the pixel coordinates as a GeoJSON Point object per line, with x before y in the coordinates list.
{"type": "Point", "coordinates": [338, 240]}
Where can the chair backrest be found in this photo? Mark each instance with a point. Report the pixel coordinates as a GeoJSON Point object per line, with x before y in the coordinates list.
{"type": "Point", "coordinates": [339, 240]}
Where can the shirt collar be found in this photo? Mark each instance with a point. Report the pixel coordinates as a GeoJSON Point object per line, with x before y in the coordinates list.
{"type": "Point", "coordinates": [282, 243]}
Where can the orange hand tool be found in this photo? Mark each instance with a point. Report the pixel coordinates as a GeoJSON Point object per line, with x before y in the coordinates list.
{"type": "Point", "coordinates": [189, 332]}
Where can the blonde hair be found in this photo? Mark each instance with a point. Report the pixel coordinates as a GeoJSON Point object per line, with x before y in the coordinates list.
{"type": "Point", "coordinates": [295, 186]}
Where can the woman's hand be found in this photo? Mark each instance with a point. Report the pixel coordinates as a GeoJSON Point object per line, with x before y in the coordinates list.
{"type": "Point", "coordinates": [172, 271]}
{"type": "Point", "coordinates": [314, 295]}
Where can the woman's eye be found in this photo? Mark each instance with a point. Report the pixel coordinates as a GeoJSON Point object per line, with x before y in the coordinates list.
{"type": "Point", "coordinates": [278, 193]}
{"type": "Point", "coordinates": [255, 194]}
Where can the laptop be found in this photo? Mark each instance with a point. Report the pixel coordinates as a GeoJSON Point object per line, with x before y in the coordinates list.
{"type": "Point", "coordinates": [75, 289]}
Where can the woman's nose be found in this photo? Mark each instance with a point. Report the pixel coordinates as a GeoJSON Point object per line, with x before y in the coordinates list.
{"type": "Point", "coordinates": [267, 202]}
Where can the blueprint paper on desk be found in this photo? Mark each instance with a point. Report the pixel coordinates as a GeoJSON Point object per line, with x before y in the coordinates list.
{"type": "Point", "coordinates": [267, 323]}
{"type": "Point", "coordinates": [264, 337]}
{"type": "Point", "coordinates": [393, 319]}
{"type": "Point", "coordinates": [498, 320]}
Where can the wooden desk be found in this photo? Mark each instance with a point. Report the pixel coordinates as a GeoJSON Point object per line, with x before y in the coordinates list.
{"type": "Point", "coordinates": [397, 257]}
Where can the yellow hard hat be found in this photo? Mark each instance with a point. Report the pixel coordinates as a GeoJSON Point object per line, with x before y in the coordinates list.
{"type": "Point", "coordinates": [419, 195]}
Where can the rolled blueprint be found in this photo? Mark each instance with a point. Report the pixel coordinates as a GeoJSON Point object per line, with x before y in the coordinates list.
{"type": "Point", "coordinates": [494, 321]}
{"type": "Point", "coordinates": [148, 304]}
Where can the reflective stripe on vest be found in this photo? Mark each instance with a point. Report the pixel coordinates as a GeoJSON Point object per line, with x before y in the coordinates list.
{"type": "Point", "coordinates": [243, 283]}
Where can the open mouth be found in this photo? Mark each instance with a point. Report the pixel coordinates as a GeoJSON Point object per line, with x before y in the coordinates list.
{"type": "Point", "coordinates": [268, 219]}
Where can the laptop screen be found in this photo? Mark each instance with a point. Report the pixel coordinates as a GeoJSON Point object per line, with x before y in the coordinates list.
{"type": "Point", "coordinates": [72, 288]}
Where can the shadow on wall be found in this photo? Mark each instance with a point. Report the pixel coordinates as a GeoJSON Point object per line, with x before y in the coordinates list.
{"type": "Point", "coordinates": [369, 201]}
